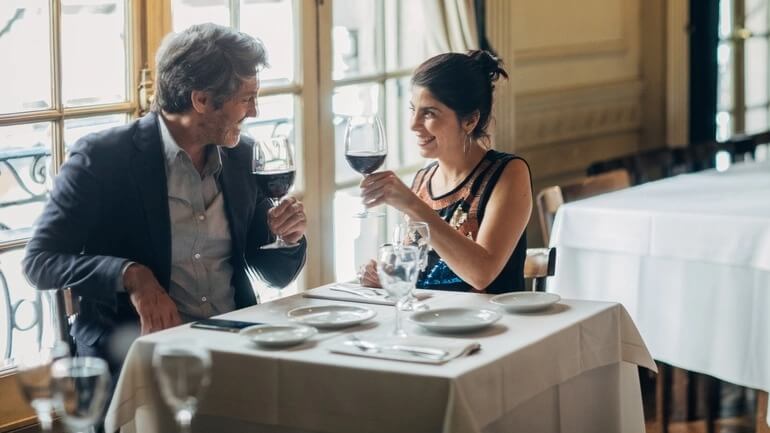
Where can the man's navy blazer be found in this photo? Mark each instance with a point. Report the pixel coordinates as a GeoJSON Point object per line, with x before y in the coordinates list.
{"type": "Point", "coordinates": [110, 203]}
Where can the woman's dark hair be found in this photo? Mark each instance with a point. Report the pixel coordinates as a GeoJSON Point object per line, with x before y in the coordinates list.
{"type": "Point", "coordinates": [464, 83]}
{"type": "Point", "coordinates": [206, 57]}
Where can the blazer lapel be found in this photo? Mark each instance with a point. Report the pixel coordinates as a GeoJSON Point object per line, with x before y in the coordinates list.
{"type": "Point", "coordinates": [237, 199]}
{"type": "Point", "coordinates": [149, 172]}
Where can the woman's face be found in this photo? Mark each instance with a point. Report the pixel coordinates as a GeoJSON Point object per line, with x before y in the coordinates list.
{"type": "Point", "coordinates": [438, 130]}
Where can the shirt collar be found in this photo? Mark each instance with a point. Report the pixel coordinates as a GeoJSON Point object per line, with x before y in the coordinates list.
{"type": "Point", "coordinates": [172, 150]}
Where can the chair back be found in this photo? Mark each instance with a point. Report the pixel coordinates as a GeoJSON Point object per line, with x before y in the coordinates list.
{"type": "Point", "coordinates": [549, 199]}
{"type": "Point", "coordinates": [539, 265]}
{"type": "Point", "coordinates": [66, 307]}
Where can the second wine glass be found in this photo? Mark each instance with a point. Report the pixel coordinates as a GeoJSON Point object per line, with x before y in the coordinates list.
{"type": "Point", "coordinates": [417, 234]}
{"type": "Point", "coordinates": [273, 164]}
{"type": "Point", "coordinates": [397, 267]}
{"type": "Point", "coordinates": [365, 147]}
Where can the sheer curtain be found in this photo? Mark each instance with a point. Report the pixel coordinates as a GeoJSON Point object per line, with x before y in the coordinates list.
{"type": "Point", "coordinates": [452, 25]}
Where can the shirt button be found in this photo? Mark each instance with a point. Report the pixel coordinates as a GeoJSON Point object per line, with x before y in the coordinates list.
{"type": "Point", "coordinates": [197, 256]}
{"type": "Point", "coordinates": [201, 217]}
{"type": "Point", "coordinates": [204, 299]}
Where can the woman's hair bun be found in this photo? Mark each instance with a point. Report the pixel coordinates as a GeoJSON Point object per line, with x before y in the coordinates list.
{"type": "Point", "coordinates": [489, 64]}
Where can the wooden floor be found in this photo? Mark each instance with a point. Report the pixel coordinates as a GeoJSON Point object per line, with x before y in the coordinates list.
{"type": "Point", "coordinates": [678, 401]}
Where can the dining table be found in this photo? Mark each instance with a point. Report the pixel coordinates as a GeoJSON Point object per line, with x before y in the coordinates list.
{"type": "Point", "coordinates": [570, 367]}
{"type": "Point", "coordinates": [689, 258]}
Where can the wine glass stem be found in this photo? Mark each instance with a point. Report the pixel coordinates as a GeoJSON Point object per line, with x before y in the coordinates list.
{"type": "Point", "coordinates": [278, 238]}
{"type": "Point", "coordinates": [398, 330]}
{"type": "Point", "coordinates": [184, 419]}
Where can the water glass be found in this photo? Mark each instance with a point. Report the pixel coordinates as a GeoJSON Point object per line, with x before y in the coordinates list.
{"type": "Point", "coordinates": [34, 379]}
{"type": "Point", "coordinates": [397, 267]}
{"type": "Point", "coordinates": [414, 233]}
{"type": "Point", "coordinates": [81, 388]}
{"type": "Point", "coordinates": [183, 372]}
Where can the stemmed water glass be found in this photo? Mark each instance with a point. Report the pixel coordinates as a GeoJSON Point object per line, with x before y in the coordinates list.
{"type": "Point", "coordinates": [365, 147]}
{"type": "Point", "coordinates": [397, 267]}
{"type": "Point", "coordinates": [81, 388]}
{"type": "Point", "coordinates": [273, 164]}
{"type": "Point", "coordinates": [182, 369]}
{"type": "Point", "coordinates": [417, 234]}
{"type": "Point", "coordinates": [34, 379]}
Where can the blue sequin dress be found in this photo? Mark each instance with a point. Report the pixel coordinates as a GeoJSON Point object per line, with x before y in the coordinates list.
{"type": "Point", "coordinates": [463, 208]}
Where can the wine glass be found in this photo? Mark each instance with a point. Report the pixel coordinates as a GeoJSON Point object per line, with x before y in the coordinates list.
{"type": "Point", "coordinates": [273, 164]}
{"type": "Point", "coordinates": [397, 267]}
{"type": "Point", "coordinates": [182, 369]}
{"type": "Point", "coordinates": [414, 233]}
{"type": "Point", "coordinates": [81, 387]}
{"type": "Point", "coordinates": [34, 379]}
{"type": "Point", "coordinates": [365, 147]}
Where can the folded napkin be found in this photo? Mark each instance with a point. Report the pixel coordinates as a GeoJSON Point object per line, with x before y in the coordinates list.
{"type": "Point", "coordinates": [424, 350]}
{"type": "Point", "coordinates": [355, 293]}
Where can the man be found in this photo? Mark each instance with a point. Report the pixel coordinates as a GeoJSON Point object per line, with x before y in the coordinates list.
{"type": "Point", "coordinates": [160, 221]}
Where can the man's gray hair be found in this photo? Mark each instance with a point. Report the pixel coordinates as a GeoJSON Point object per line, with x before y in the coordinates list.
{"type": "Point", "coordinates": [206, 57]}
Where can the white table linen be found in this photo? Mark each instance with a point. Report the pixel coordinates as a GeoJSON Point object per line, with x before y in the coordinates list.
{"type": "Point", "coordinates": [689, 258]}
{"type": "Point", "coordinates": [571, 368]}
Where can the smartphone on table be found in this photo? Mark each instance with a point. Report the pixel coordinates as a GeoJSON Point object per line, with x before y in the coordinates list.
{"type": "Point", "coordinates": [222, 325]}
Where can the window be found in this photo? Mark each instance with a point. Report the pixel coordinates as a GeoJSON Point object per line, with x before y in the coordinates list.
{"type": "Point", "coordinates": [743, 56]}
{"type": "Point", "coordinates": [373, 56]}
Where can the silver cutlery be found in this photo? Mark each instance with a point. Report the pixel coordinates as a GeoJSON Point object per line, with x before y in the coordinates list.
{"type": "Point", "coordinates": [425, 352]}
{"type": "Point", "coordinates": [370, 293]}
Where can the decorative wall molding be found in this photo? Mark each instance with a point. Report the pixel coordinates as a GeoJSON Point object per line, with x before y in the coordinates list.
{"type": "Point", "coordinates": [562, 115]}
{"type": "Point", "coordinates": [561, 52]}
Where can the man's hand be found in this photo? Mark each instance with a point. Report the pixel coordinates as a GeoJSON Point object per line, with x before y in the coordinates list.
{"type": "Point", "coordinates": [155, 308]}
{"type": "Point", "coordinates": [288, 220]}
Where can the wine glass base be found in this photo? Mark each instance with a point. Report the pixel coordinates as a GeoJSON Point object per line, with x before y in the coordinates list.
{"type": "Point", "coordinates": [363, 215]}
{"type": "Point", "coordinates": [277, 246]}
{"type": "Point", "coordinates": [412, 304]}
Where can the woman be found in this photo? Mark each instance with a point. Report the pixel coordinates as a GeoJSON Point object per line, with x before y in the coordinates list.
{"type": "Point", "coordinates": [476, 201]}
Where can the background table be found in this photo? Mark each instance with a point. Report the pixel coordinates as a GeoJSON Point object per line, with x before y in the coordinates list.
{"type": "Point", "coordinates": [689, 258]}
{"type": "Point", "coordinates": [571, 368]}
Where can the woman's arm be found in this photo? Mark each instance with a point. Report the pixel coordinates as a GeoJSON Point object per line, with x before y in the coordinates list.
{"type": "Point", "coordinates": [506, 215]}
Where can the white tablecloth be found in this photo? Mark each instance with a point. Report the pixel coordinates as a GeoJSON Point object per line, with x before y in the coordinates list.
{"type": "Point", "coordinates": [569, 369]}
{"type": "Point", "coordinates": [689, 258]}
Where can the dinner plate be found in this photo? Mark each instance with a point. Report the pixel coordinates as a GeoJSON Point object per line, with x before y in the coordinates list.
{"type": "Point", "coordinates": [278, 335]}
{"type": "Point", "coordinates": [455, 319]}
{"type": "Point", "coordinates": [522, 302]}
{"type": "Point", "coordinates": [331, 316]}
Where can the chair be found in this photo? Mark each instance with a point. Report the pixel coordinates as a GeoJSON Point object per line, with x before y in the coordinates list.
{"type": "Point", "coordinates": [66, 307]}
{"type": "Point", "coordinates": [539, 265]}
{"type": "Point", "coordinates": [549, 199]}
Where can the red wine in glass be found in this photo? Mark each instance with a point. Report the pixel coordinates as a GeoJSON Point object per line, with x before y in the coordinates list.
{"type": "Point", "coordinates": [273, 165]}
{"type": "Point", "coordinates": [365, 147]}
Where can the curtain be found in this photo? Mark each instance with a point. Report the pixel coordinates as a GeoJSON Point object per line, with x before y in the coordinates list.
{"type": "Point", "coordinates": [452, 25]}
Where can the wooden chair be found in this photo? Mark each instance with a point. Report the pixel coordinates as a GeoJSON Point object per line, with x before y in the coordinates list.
{"type": "Point", "coordinates": [549, 199]}
{"type": "Point", "coordinates": [539, 265]}
{"type": "Point", "coordinates": [66, 307]}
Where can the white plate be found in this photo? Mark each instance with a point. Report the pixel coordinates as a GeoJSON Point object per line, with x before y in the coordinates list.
{"type": "Point", "coordinates": [278, 335]}
{"type": "Point", "coordinates": [331, 316]}
{"type": "Point", "coordinates": [455, 319]}
{"type": "Point", "coordinates": [522, 302]}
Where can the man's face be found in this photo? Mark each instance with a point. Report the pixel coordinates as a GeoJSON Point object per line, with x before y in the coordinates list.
{"type": "Point", "coordinates": [224, 124]}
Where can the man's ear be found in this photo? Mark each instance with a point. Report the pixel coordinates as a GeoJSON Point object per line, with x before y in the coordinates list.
{"type": "Point", "coordinates": [201, 101]}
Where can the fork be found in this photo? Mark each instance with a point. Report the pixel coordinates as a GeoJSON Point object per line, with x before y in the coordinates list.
{"type": "Point", "coordinates": [376, 292]}
{"type": "Point", "coordinates": [425, 352]}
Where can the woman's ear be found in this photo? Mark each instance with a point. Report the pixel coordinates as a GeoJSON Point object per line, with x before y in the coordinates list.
{"type": "Point", "coordinates": [470, 122]}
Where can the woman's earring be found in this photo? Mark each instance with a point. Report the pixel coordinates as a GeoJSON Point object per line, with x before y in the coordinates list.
{"type": "Point", "coordinates": [465, 143]}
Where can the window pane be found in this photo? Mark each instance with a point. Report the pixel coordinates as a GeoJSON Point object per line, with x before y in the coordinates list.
{"type": "Point", "coordinates": [354, 38]}
{"type": "Point", "coordinates": [355, 239]}
{"type": "Point", "coordinates": [24, 37]}
{"type": "Point", "coordinates": [725, 18]}
{"type": "Point", "coordinates": [756, 71]}
{"type": "Point", "coordinates": [24, 173]}
{"type": "Point", "coordinates": [276, 117]}
{"type": "Point", "coordinates": [185, 13]}
{"type": "Point", "coordinates": [348, 101]}
{"type": "Point", "coordinates": [90, 31]}
{"type": "Point", "coordinates": [757, 120]}
{"type": "Point", "coordinates": [273, 23]}
{"type": "Point", "coordinates": [412, 35]}
{"type": "Point", "coordinates": [75, 129]}
{"type": "Point", "coordinates": [725, 76]}
{"type": "Point", "coordinates": [403, 148]}
{"type": "Point", "coordinates": [34, 313]}
{"type": "Point", "coordinates": [756, 15]}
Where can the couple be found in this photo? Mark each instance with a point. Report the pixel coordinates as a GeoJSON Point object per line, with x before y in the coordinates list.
{"type": "Point", "coordinates": [160, 221]}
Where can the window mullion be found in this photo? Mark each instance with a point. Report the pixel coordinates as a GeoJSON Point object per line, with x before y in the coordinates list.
{"type": "Point", "coordinates": [235, 14]}
{"type": "Point", "coordinates": [57, 130]}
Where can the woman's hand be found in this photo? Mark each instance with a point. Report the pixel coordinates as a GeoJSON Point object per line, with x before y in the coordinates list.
{"type": "Point", "coordinates": [386, 187]}
{"type": "Point", "coordinates": [368, 275]}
